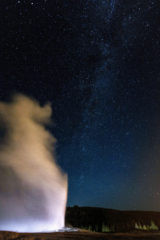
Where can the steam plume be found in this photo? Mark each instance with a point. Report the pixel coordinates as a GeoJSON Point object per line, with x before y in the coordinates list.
{"type": "Point", "coordinates": [33, 189]}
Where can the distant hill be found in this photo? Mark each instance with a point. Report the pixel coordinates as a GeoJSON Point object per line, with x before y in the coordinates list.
{"type": "Point", "coordinates": [109, 220]}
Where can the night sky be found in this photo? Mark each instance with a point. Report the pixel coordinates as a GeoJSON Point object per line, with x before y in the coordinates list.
{"type": "Point", "coordinates": [98, 63]}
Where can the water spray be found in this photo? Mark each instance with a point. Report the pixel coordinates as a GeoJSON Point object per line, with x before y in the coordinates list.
{"type": "Point", "coordinates": [33, 188]}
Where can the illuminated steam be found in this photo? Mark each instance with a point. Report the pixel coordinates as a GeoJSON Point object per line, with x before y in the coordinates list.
{"type": "Point", "coordinates": [33, 189]}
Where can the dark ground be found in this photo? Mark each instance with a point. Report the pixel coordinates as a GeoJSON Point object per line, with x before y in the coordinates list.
{"type": "Point", "coordinates": [85, 235]}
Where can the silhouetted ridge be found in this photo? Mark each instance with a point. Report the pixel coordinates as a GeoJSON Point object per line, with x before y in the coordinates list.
{"type": "Point", "coordinates": [109, 220]}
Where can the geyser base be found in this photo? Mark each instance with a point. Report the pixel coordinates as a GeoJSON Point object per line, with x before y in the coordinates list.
{"type": "Point", "coordinates": [33, 189]}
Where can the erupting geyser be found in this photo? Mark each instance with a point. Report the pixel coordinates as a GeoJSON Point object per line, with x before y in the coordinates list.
{"type": "Point", "coordinates": [33, 189]}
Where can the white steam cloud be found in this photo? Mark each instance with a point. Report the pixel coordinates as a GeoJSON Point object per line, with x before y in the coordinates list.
{"type": "Point", "coordinates": [33, 189]}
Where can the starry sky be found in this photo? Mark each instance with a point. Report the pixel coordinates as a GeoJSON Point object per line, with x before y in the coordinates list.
{"type": "Point", "coordinates": [98, 63]}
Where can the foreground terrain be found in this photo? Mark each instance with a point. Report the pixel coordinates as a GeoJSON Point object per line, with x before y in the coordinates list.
{"type": "Point", "coordinates": [88, 223]}
{"type": "Point", "coordinates": [77, 235]}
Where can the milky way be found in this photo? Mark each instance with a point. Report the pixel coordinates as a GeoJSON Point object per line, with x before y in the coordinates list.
{"type": "Point", "coordinates": [97, 62]}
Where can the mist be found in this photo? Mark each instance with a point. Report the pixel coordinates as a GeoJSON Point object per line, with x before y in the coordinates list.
{"type": "Point", "coordinates": [33, 188]}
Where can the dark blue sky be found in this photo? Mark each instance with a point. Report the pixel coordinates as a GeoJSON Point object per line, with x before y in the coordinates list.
{"type": "Point", "coordinates": [97, 62]}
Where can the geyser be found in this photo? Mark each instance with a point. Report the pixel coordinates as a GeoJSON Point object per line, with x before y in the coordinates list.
{"type": "Point", "coordinates": [33, 189]}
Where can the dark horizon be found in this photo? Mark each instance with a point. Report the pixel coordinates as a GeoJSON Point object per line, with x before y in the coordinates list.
{"type": "Point", "coordinates": [76, 206]}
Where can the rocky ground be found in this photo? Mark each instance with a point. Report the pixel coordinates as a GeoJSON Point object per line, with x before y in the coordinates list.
{"type": "Point", "coordinates": [77, 235]}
